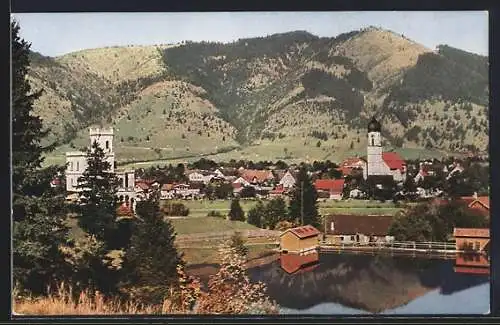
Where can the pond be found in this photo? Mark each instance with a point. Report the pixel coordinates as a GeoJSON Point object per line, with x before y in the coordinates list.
{"type": "Point", "coordinates": [360, 284]}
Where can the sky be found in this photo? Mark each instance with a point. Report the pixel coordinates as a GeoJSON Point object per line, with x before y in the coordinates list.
{"type": "Point", "coordinates": [55, 34]}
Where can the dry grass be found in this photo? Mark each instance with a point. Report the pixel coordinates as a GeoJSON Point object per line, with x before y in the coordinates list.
{"type": "Point", "coordinates": [60, 302]}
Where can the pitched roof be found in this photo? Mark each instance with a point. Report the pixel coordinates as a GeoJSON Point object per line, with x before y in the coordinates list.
{"type": "Point", "coordinates": [471, 232]}
{"type": "Point", "coordinates": [352, 162]}
{"type": "Point", "coordinates": [259, 175]}
{"type": "Point", "coordinates": [142, 185]}
{"type": "Point", "coordinates": [483, 200]}
{"type": "Point", "coordinates": [376, 225]}
{"type": "Point", "coordinates": [393, 160]}
{"type": "Point", "coordinates": [292, 263]}
{"type": "Point", "coordinates": [331, 185]}
{"type": "Point", "coordinates": [167, 187]}
{"type": "Point", "coordinates": [303, 231]}
{"type": "Point", "coordinates": [278, 189]}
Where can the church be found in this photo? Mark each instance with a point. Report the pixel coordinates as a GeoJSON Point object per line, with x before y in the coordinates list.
{"type": "Point", "coordinates": [76, 162]}
{"type": "Point", "coordinates": [379, 163]}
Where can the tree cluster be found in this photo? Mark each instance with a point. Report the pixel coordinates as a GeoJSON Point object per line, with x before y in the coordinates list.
{"type": "Point", "coordinates": [432, 221]}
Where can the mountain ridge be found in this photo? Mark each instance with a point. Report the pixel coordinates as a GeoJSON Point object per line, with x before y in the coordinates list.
{"type": "Point", "coordinates": [272, 94]}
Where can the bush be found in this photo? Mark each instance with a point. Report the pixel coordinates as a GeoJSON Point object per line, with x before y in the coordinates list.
{"type": "Point", "coordinates": [175, 209]}
{"type": "Point", "coordinates": [216, 214]}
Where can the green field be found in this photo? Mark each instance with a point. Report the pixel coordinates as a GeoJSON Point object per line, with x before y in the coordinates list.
{"type": "Point", "coordinates": [185, 226]}
{"type": "Point", "coordinates": [200, 208]}
{"type": "Point", "coordinates": [209, 255]}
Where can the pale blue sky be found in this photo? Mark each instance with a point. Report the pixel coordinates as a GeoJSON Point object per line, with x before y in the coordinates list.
{"type": "Point", "coordinates": [55, 34]}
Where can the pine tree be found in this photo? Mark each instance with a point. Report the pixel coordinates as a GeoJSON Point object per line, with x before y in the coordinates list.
{"type": "Point", "coordinates": [275, 211]}
{"type": "Point", "coordinates": [255, 214]}
{"type": "Point", "coordinates": [150, 263]}
{"type": "Point", "coordinates": [304, 201]}
{"type": "Point", "coordinates": [38, 210]}
{"type": "Point", "coordinates": [236, 213]}
{"type": "Point", "coordinates": [98, 196]}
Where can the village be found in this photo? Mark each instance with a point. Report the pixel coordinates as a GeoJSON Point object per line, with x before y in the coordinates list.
{"type": "Point", "coordinates": [383, 177]}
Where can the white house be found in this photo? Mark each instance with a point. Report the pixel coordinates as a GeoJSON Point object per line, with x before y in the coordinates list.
{"type": "Point", "coordinates": [167, 192]}
{"type": "Point", "coordinates": [457, 169]}
{"type": "Point", "coordinates": [219, 174]}
{"type": "Point", "coordinates": [356, 194]}
{"type": "Point", "coordinates": [288, 181]}
{"type": "Point", "coordinates": [242, 181]}
{"type": "Point", "coordinates": [196, 177]}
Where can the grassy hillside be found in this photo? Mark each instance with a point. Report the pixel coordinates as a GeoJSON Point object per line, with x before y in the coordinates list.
{"type": "Point", "coordinates": [291, 96]}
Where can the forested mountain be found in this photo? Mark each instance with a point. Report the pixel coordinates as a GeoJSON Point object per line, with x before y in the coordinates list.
{"type": "Point", "coordinates": [284, 96]}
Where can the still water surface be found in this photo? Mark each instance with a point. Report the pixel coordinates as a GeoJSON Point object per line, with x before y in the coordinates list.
{"type": "Point", "coordinates": [357, 284]}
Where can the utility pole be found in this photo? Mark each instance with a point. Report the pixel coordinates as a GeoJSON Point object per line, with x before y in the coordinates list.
{"type": "Point", "coordinates": [302, 202]}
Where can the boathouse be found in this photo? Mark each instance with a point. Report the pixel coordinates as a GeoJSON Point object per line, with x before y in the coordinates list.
{"type": "Point", "coordinates": [472, 239]}
{"type": "Point", "coordinates": [299, 240]}
{"type": "Point", "coordinates": [358, 229]}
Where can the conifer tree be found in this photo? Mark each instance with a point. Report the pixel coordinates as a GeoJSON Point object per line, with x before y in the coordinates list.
{"type": "Point", "coordinates": [38, 210]}
{"type": "Point", "coordinates": [150, 263]}
{"type": "Point", "coordinates": [303, 206]}
{"type": "Point", "coordinates": [275, 211]}
{"type": "Point", "coordinates": [255, 214]}
{"type": "Point", "coordinates": [98, 196]}
{"type": "Point", "coordinates": [236, 213]}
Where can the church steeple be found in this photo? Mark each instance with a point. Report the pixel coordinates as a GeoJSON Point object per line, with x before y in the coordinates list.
{"type": "Point", "coordinates": [374, 125]}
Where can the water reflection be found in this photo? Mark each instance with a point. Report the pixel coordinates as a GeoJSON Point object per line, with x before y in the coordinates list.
{"type": "Point", "coordinates": [341, 283]}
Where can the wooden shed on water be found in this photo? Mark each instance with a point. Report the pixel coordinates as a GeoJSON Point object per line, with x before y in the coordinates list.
{"type": "Point", "coordinates": [299, 239]}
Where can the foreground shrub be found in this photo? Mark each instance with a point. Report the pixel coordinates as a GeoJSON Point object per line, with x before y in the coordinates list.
{"type": "Point", "coordinates": [232, 281]}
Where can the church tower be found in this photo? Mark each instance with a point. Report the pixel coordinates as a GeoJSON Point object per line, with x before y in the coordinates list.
{"type": "Point", "coordinates": [104, 137]}
{"type": "Point", "coordinates": [375, 163]}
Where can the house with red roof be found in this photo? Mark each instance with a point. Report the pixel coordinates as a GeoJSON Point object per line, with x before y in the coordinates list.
{"type": "Point", "coordinates": [479, 204]}
{"type": "Point", "coordinates": [299, 240]}
{"type": "Point", "coordinates": [333, 188]}
{"type": "Point", "coordinates": [351, 165]}
{"type": "Point", "coordinates": [254, 176]}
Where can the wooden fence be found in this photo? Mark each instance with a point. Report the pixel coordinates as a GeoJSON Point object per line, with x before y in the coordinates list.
{"type": "Point", "coordinates": [446, 246]}
{"type": "Point", "coordinates": [429, 249]}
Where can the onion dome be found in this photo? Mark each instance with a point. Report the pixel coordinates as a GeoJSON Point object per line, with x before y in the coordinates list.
{"type": "Point", "coordinates": [374, 125]}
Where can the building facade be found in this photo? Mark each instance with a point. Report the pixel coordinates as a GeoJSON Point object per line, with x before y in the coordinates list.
{"type": "Point", "coordinates": [77, 163]}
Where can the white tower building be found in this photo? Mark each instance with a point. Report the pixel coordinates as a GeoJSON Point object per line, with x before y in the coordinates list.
{"type": "Point", "coordinates": [104, 137]}
{"type": "Point", "coordinates": [375, 161]}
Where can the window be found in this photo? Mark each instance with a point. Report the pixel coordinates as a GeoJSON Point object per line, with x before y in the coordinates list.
{"type": "Point", "coordinates": [352, 238]}
{"type": "Point", "coordinates": [77, 166]}
{"type": "Point", "coordinates": [373, 141]}
{"type": "Point", "coordinates": [71, 166]}
{"type": "Point", "coordinates": [478, 246]}
{"type": "Point", "coordinates": [107, 144]}
{"type": "Point", "coordinates": [332, 226]}
{"type": "Point", "coordinates": [126, 180]}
